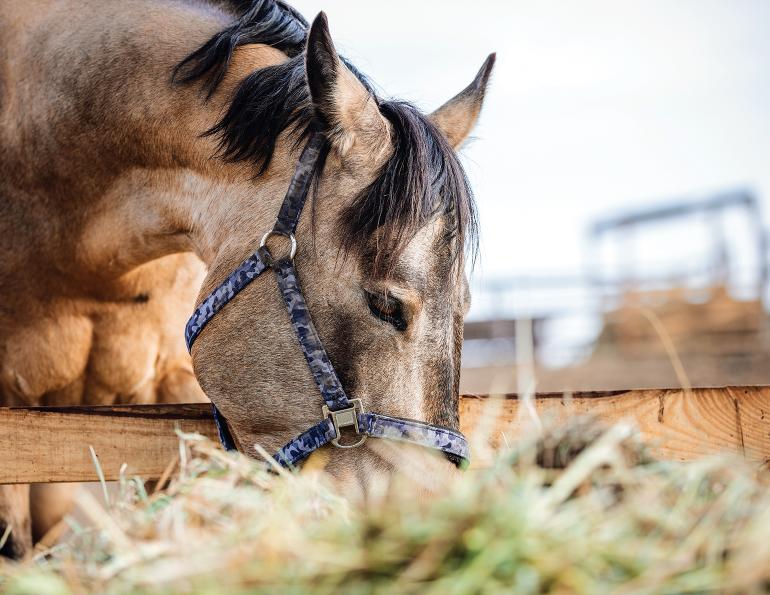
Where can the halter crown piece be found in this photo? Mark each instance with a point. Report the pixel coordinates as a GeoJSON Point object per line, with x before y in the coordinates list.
{"type": "Point", "coordinates": [339, 412]}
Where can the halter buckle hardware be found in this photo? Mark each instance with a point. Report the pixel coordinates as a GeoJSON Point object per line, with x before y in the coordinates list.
{"type": "Point", "coordinates": [345, 418]}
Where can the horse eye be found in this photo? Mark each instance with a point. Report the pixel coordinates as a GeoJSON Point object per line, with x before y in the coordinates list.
{"type": "Point", "coordinates": [388, 309]}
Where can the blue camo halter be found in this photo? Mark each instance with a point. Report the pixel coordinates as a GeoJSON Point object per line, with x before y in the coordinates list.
{"type": "Point", "coordinates": [339, 411]}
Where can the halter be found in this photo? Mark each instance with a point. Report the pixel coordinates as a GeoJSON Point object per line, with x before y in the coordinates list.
{"type": "Point", "coordinates": [339, 412]}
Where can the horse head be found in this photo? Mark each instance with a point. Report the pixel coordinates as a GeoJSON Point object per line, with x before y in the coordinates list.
{"type": "Point", "coordinates": [381, 256]}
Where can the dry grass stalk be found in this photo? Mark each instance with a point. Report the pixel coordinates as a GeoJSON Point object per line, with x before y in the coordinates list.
{"type": "Point", "coordinates": [603, 518]}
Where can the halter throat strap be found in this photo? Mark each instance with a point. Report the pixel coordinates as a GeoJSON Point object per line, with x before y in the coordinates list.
{"type": "Point", "coordinates": [339, 412]}
{"type": "Point", "coordinates": [310, 159]}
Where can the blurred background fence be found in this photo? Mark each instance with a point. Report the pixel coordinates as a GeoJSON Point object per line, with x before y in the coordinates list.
{"type": "Point", "coordinates": [677, 288]}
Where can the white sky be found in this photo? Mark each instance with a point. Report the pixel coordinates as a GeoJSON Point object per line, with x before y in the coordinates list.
{"type": "Point", "coordinates": [596, 106]}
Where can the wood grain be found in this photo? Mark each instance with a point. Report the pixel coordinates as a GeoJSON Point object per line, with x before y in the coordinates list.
{"type": "Point", "coordinates": [677, 425]}
{"type": "Point", "coordinates": [51, 444]}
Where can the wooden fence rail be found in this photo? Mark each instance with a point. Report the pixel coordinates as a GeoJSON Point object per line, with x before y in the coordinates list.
{"type": "Point", "coordinates": [43, 444]}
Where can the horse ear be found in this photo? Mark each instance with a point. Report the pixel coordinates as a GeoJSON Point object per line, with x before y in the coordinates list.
{"type": "Point", "coordinates": [344, 105]}
{"type": "Point", "coordinates": [457, 117]}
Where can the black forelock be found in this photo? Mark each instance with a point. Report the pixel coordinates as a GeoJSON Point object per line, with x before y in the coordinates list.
{"type": "Point", "coordinates": [422, 179]}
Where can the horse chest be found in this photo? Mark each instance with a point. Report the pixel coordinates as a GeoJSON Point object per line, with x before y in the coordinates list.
{"type": "Point", "coordinates": [68, 358]}
{"type": "Point", "coordinates": [102, 352]}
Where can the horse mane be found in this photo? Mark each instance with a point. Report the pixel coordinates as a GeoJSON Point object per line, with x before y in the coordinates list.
{"type": "Point", "coordinates": [421, 180]}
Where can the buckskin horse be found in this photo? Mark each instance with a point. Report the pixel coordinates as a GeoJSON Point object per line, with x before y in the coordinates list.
{"type": "Point", "coordinates": [145, 148]}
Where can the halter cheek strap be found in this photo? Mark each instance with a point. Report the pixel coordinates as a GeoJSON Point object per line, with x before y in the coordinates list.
{"type": "Point", "coordinates": [339, 412]}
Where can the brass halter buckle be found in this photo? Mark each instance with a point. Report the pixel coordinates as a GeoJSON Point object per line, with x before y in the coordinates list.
{"type": "Point", "coordinates": [345, 418]}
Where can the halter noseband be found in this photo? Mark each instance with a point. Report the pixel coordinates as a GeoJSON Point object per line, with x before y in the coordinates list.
{"type": "Point", "coordinates": [339, 412]}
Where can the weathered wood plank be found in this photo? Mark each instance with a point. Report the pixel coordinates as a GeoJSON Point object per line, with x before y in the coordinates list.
{"type": "Point", "coordinates": [44, 444]}
{"type": "Point", "coordinates": [677, 425]}
{"type": "Point", "coordinates": [51, 444]}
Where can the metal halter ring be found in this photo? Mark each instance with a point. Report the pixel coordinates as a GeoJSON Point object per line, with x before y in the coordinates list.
{"type": "Point", "coordinates": [344, 418]}
{"type": "Point", "coordinates": [275, 232]}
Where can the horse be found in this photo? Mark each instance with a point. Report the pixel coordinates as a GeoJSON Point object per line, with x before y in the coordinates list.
{"type": "Point", "coordinates": [145, 147]}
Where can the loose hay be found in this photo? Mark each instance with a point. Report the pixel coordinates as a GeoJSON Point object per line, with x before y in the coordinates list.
{"type": "Point", "coordinates": [606, 519]}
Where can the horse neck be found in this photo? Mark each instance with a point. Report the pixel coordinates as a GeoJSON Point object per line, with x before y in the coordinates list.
{"type": "Point", "coordinates": [106, 154]}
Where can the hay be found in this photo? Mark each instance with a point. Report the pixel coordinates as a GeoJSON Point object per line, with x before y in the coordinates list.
{"type": "Point", "coordinates": [608, 519]}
